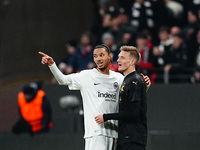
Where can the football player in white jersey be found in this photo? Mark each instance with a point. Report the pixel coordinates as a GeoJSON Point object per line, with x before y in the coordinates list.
{"type": "Point", "coordinates": [99, 89]}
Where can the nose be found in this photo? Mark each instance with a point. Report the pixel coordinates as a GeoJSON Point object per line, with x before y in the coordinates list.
{"type": "Point", "coordinates": [97, 58]}
{"type": "Point", "coordinates": [118, 60]}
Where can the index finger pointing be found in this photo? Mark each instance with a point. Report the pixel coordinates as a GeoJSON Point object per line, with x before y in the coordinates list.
{"type": "Point", "coordinates": [41, 53]}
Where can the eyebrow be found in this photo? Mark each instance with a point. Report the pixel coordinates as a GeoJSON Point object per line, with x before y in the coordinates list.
{"type": "Point", "coordinates": [99, 53]}
{"type": "Point", "coordinates": [121, 56]}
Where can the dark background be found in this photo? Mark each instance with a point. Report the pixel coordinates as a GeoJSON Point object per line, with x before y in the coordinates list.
{"type": "Point", "coordinates": [29, 26]}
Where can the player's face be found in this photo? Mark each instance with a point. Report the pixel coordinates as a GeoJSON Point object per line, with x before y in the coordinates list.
{"type": "Point", "coordinates": [101, 58]}
{"type": "Point", "coordinates": [124, 61]}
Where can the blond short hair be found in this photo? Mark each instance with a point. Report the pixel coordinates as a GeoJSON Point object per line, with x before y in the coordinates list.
{"type": "Point", "coordinates": [133, 52]}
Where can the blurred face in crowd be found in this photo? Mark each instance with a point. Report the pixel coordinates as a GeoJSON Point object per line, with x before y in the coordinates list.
{"type": "Point", "coordinates": [109, 42]}
{"type": "Point", "coordinates": [123, 18]}
{"type": "Point", "coordinates": [101, 58]}
{"type": "Point", "coordinates": [177, 42]}
{"type": "Point", "coordinates": [175, 30]}
{"type": "Point", "coordinates": [127, 38]}
{"type": "Point", "coordinates": [163, 35]}
{"type": "Point", "coordinates": [191, 17]}
{"type": "Point", "coordinates": [85, 40]}
{"type": "Point", "coordinates": [70, 50]}
{"type": "Point", "coordinates": [115, 21]}
{"type": "Point", "coordinates": [107, 20]}
{"type": "Point", "coordinates": [141, 43]}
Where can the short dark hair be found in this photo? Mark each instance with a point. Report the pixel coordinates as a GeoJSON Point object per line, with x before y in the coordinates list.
{"type": "Point", "coordinates": [141, 35]}
{"type": "Point", "coordinates": [179, 35]}
{"type": "Point", "coordinates": [29, 90]}
{"type": "Point", "coordinates": [104, 47]}
{"type": "Point", "coordinates": [164, 29]}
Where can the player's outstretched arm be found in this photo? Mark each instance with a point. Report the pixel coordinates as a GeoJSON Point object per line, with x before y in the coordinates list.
{"type": "Point", "coordinates": [46, 59]}
{"type": "Point", "coordinates": [60, 77]}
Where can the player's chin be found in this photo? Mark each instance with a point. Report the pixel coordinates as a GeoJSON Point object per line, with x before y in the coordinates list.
{"type": "Point", "coordinates": [101, 68]}
{"type": "Point", "coordinates": [120, 69]}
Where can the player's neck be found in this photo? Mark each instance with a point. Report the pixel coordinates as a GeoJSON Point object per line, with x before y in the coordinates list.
{"type": "Point", "coordinates": [127, 72]}
{"type": "Point", "coordinates": [104, 71]}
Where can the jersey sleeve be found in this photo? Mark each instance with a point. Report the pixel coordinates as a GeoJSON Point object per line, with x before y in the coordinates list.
{"type": "Point", "coordinates": [127, 114]}
{"type": "Point", "coordinates": [74, 81]}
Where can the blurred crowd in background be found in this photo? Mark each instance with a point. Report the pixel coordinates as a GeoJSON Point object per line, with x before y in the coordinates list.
{"type": "Point", "coordinates": [166, 33]}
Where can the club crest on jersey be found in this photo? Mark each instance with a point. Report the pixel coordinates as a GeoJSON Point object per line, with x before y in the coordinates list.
{"type": "Point", "coordinates": [115, 85]}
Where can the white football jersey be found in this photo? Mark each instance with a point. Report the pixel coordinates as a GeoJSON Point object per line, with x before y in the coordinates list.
{"type": "Point", "coordinates": [99, 93]}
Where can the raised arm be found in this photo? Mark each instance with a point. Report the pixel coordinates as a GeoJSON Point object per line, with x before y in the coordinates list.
{"type": "Point", "coordinates": [60, 77]}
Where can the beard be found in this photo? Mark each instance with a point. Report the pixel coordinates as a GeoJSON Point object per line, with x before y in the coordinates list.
{"type": "Point", "coordinates": [103, 68]}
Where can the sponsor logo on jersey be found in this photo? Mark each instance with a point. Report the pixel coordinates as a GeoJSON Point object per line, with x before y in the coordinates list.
{"type": "Point", "coordinates": [107, 96]}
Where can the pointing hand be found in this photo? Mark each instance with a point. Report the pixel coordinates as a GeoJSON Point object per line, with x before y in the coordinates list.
{"type": "Point", "coordinates": [46, 59]}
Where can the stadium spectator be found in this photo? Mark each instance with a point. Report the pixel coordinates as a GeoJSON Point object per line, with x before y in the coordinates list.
{"type": "Point", "coordinates": [126, 5]}
{"type": "Point", "coordinates": [191, 5]}
{"type": "Point", "coordinates": [176, 59]}
{"type": "Point", "coordinates": [196, 46]}
{"type": "Point", "coordinates": [101, 8]}
{"type": "Point", "coordinates": [142, 15]}
{"type": "Point", "coordinates": [82, 58]}
{"type": "Point", "coordinates": [193, 46]}
{"type": "Point", "coordinates": [164, 42]}
{"type": "Point", "coordinates": [175, 11]}
{"type": "Point", "coordinates": [196, 76]}
{"type": "Point", "coordinates": [66, 64]}
{"type": "Point", "coordinates": [146, 64]}
{"type": "Point", "coordinates": [161, 14]}
{"type": "Point", "coordinates": [175, 30]}
{"type": "Point", "coordinates": [192, 23]}
{"type": "Point", "coordinates": [116, 23]}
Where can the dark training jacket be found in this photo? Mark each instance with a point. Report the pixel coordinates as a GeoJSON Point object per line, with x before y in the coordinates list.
{"type": "Point", "coordinates": [132, 110]}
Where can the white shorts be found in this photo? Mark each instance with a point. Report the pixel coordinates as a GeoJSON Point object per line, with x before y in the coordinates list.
{"type": "Point", "coordinates": [100, 142]}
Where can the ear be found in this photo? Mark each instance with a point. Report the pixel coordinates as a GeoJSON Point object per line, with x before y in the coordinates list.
{"type": "Point", "coordinates": [133, 62]}
{"type": "Point", "coordinates": [110, 57]}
